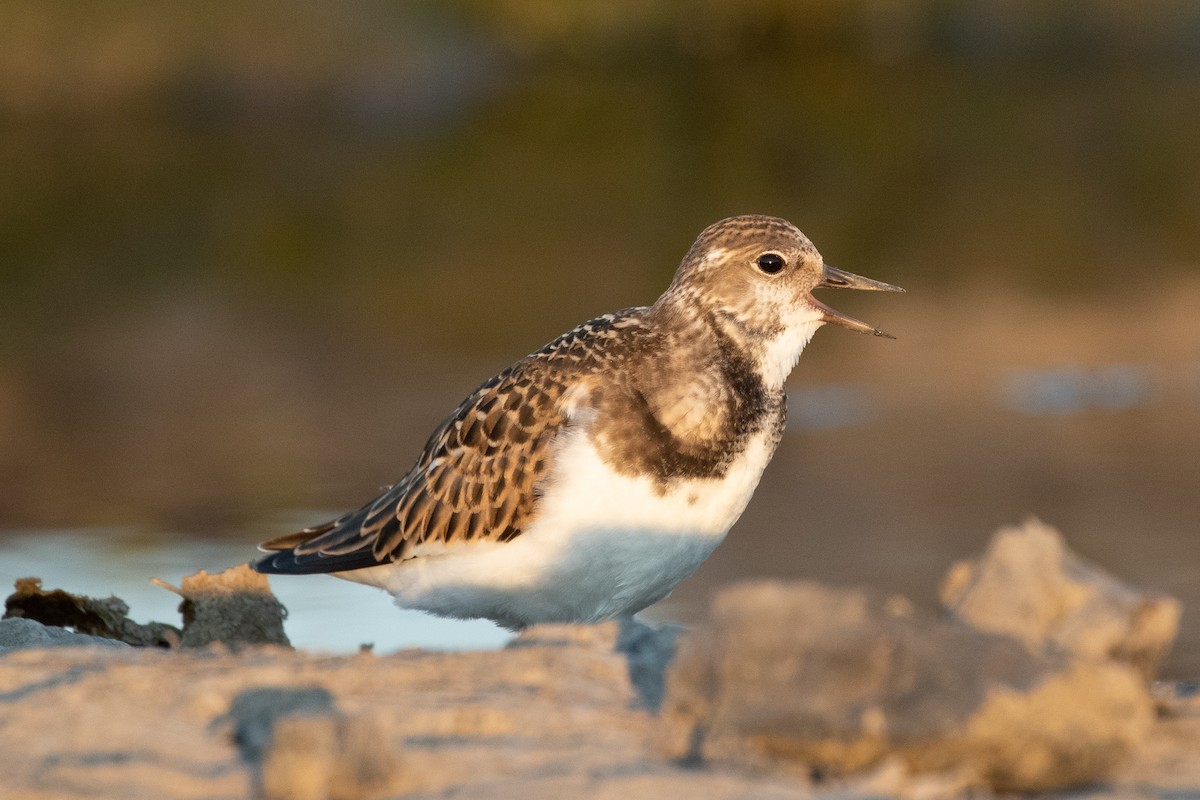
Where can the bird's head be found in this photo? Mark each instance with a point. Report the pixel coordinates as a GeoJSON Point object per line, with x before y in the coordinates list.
{"type": "Point", "coordinates": [755, 275]}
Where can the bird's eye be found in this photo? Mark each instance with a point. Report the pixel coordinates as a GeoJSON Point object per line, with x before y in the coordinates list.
{"type": "Point", "coordinates": [770, 263]}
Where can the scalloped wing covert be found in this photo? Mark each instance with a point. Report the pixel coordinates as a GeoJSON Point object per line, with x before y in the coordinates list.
{"type": "Point", "coordinates": [479, 475]}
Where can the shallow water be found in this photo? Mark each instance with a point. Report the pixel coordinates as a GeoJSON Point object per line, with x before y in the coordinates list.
{"type": "Point", "coordinates": [323, 613]}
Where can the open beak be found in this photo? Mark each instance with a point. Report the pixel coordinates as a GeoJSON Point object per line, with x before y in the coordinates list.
{"type": "Point", "coordinates": [837, 278]}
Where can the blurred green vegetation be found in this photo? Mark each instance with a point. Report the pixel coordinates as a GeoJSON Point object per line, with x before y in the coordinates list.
{"type": "Point", "coordinates": [407, 165]}
{"type": "Point", "coordinates": [233, 237]}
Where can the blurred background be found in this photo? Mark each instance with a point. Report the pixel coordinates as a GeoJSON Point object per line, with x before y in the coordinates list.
{"type": "Point", "coordinates": [250, 255]}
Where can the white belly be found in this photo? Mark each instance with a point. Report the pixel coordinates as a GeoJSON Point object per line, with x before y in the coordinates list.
{"type": "Point", "coordinates": [602, 545]}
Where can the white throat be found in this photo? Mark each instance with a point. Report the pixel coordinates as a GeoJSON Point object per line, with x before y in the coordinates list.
{"type": "Point", "coordinates": [781, 353]}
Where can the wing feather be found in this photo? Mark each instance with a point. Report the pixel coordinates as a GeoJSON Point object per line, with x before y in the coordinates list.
{"type": "Point", "coordinates": [479, 475]}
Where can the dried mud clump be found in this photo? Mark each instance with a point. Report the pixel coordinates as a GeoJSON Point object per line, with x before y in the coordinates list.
{"type": "Point", "coordinates": [107, 618]}
{"type": "Point", "coordinates": [234, 607]}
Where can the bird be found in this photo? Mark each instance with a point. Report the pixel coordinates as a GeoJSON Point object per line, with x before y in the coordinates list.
{"type": "Point", "coordinates": [587, 480]}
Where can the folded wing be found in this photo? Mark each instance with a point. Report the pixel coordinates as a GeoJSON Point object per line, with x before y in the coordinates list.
{"type": "Point", "coordinates": [477, 479]}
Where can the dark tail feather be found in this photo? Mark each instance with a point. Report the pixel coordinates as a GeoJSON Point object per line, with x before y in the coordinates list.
{"type": "Point", "coordinates": [299, 554]}
{"type": "Point", "coordinates": [286, 562]}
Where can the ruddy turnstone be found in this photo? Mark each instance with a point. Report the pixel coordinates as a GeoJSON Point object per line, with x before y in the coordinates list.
{"type": "Point", "coordinates": [588, 479]}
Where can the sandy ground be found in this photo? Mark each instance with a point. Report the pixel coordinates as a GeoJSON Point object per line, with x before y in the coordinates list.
{"type": "Point", "coordinates": [1037, 676]}
{"type": "Point", "coordinates": [540, 721]}
{"type": "Point", "coordinates": [545, 721]}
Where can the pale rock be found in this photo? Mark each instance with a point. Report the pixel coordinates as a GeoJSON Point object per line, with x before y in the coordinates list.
{"type": "Point", "coordinates": [801, 676]}
{"type": "Point", "coordinates": [327, 757]}
{"type": "Point", "coordinates": [17, 632]}
{"type": "Point", "coordinates": [1029, 585]}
